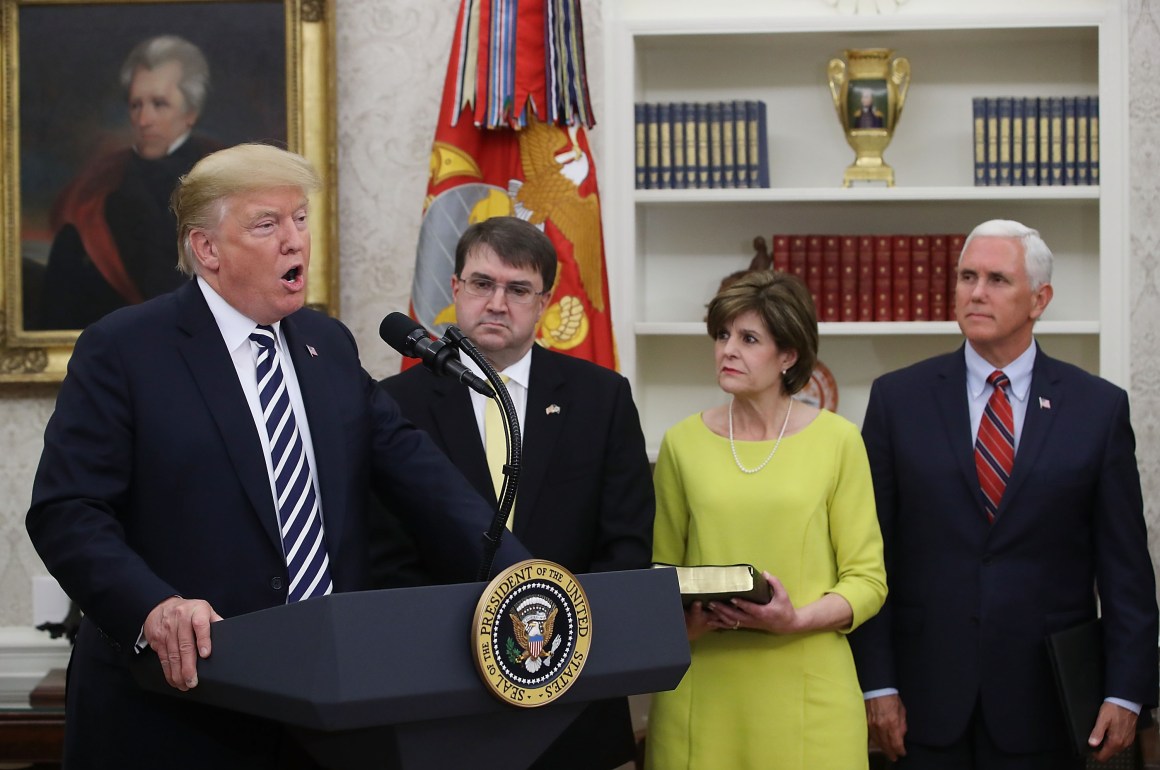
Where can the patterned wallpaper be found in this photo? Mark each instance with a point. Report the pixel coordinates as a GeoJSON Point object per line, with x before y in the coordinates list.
{"type": "Point", "coordinates": [391, 61]}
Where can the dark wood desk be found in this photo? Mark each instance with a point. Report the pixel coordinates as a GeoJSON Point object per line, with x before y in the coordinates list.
{"type": "Point", "coordinates": [36, 734]}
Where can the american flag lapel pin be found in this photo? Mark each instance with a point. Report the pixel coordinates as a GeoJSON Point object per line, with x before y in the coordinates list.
{"type": "Point", "coordinates": [314, 354]}
{"type": "Point", "coordinates": [1044, 403]}
{"type": "Point", "coordinates": [552, 409]}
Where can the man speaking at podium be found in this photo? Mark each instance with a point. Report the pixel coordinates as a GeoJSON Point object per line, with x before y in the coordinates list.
{"type": "Point", "coordinates": [585, 497]}
{"type": "Point", "coordinates": [208, 457]}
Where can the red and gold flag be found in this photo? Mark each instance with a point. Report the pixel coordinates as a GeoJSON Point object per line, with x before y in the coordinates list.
{"type": "Point", "coordinates": [511, 141]}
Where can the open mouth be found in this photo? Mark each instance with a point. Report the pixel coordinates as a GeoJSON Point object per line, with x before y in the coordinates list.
{"type": "Point", "coordinates": [291, 275]}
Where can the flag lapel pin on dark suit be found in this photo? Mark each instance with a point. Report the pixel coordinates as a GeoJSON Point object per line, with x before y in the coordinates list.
{"type": "Point", "coordinates": [314, 354]}
{"type": "Point", "coordinates": [552, 409]}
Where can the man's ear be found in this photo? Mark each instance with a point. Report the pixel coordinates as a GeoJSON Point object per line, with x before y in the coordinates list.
{"type": "Point", "coordinates": [204, 250]}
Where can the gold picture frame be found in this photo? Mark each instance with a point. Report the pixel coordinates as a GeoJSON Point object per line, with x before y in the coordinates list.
{"type": "Point", "coordinates": [59, 115]}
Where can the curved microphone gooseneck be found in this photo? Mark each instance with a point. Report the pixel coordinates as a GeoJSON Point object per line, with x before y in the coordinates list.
{"type": "Point", "coordinates": [511, 469]}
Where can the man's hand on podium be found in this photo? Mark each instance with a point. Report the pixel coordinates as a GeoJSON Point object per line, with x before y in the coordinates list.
{"type": "Point", "coordinates": [177, 630]}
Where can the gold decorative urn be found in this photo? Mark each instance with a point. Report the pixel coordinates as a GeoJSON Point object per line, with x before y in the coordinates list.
{"type": "Point", "coordinates": [869, 89]}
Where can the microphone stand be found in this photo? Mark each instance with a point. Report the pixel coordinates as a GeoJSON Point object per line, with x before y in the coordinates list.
{"type": "Point", "coordinates": [511, 469]}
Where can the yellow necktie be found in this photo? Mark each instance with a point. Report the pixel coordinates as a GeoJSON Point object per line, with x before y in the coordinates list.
{"type": "Point", "coordinates": [495, 445]}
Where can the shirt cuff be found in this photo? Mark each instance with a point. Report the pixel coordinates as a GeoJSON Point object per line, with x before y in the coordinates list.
{"type": "Point", "coordinates": [879, 693]}
{"type": "Point", "coordinates": [1135, 708]}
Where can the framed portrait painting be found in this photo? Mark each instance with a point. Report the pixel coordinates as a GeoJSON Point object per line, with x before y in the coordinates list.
{"type": "Point", "coordinates": [104, 106]}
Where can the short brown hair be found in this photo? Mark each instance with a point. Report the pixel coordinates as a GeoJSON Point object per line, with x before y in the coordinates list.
{"type": "Point", "coordinates": [784, 305]}
{"type": "Point", "coordinates": [517, 243]}
{"type": "Point", "coordinates": [245, 168]}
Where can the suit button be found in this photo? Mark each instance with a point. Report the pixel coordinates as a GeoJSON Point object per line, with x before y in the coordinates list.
{"type": "Point", "coordinates": [987, 560]}
{"type": "Point", "coordinates": [276, 583]}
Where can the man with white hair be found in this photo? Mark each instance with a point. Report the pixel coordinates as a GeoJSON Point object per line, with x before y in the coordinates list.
{"type": "Point", "coordinates": [1008, 493]}
{"type": "Point", "coordinates": [114, 231]}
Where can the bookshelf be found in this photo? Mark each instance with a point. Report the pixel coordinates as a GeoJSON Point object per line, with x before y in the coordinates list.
{"type": "Point", "coordinates": [668, 249]}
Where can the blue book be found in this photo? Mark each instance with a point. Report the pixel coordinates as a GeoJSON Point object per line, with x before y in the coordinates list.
{"type": "Point", "coordinates": [1055, 118]}
{"type": "Point", "coordinates": [762, 147]}
{"type": "Point", "coordinates": [641, 145]}
{"type": "Point", "coordinates": [754, 138]}
{"type": "Point", "coordinates": [1017, 124]}
{"type": "Point", "coordinates": [979, 121]}
{"type": "Point", "coordinates": [1083, 112]}
{"type": "Point", "coordinates": [1094, 141]}
{"type": "Point", "coordinates": [1030, 141]}
{"type": "Point", "coordinates": [1005, 106]}
{"type": "Point", "coordinates": [665, 150]}
{"type": "Point", "coordinates": [728, 147]}
{"type": "Point", "coordinates": [678, 134]}
{"type": "Point", "coordinates": [653, 143]}
{"type": "Point", "coordinates": [1069, 140]}
{"type": "Point", "coordinates": [715, 168]}
{"type": "Point", "coordinates": [992, 141]}
{"type": "Point", "coordinates": [702, 113]}
{"type": "Point", "coordinates": [741, 144]}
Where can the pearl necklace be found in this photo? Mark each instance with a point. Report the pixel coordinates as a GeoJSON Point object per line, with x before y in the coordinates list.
{"type": "Point", "coordinates": [772, 452]}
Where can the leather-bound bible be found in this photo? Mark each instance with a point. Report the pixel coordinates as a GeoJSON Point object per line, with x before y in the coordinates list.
{"type": "Point", "coordinates": [1077, 661]}
{"type": "Point", "coordinates": [719, 583]}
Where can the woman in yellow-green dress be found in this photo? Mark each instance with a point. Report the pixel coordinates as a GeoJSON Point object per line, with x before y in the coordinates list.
{"type": "Point", "coordinates": [770, 481]}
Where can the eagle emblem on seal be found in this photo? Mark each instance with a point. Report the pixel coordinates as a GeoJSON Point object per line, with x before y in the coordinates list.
{"type": "Point", "coordinates": [532, 624]}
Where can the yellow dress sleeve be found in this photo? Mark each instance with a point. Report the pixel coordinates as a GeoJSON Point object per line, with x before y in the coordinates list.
{"type": "Point", "coordinates": [854, 532]}
{"type": "Point", "coordinates": [671, 525]}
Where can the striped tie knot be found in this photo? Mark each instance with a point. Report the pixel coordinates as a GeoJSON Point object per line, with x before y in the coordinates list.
{"type": "Point", "coordinates": [995, 445]}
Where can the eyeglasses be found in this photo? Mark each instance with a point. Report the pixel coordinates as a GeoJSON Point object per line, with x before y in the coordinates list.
{"type": "Point", "coordinates": [484, 288]}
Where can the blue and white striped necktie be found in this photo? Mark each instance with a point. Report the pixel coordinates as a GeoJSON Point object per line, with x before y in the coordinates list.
{"type": "Point", "coordinates": [299, 517]}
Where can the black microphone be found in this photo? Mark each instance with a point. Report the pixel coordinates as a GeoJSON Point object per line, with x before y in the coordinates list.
{"type": "Point", "coordinates": [412, 340]}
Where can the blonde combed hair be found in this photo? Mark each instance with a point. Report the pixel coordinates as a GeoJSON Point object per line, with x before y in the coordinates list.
{"type": "Point", "coordinates": [200, 197]}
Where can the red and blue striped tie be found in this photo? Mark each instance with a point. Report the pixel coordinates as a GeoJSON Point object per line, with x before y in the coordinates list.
{"type": "Point", "coordinates": [995, 445]}
{"type": "Point", "coordinates": [299, 516]}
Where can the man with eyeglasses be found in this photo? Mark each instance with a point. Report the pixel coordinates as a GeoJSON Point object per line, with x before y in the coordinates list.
{"type": "Point", "coordinates": [585, 497]}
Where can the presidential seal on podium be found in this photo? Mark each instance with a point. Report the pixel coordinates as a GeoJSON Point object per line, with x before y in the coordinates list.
{"type": "Point", "coordinates": [531, 633]}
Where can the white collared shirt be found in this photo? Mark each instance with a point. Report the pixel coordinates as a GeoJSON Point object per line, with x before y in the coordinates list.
{"type": "Point", "coordinates": [235, 329]}
{"type": "Point", "coordinates": [518, 375]}
{"type": "Point", "coordinates": [979, 392]}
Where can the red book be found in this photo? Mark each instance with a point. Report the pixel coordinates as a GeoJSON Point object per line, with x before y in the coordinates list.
{"type": "Point", "coordinates": [920, 278]}
{"type": "Point", "coordinates": [797, 256]}
{"type": "Point", "coordinates": [848, 279]}
{"type": "Point", "coordinates": [831, 279]}
{"type": "Point", "coordinates": [938, 278]}
{"type": "Point", "coordinates": [954, 249]}
{"type": "Point", "coordinates": [883, 309]}
{"type": "Point", "coordinates": [865, 278]}
{"type": "Point", "coordinates": [814, 270]}
{"type": "Point", "coordinates": [781, 253]}
{"type": "Point", "coordinates": [900, 281]}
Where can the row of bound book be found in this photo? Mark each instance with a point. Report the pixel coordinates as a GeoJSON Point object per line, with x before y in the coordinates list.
{"type": "Point", "coordinates": [685, 145]}
{"type": "Point", "coordinates": [1037, 140]}
{"type": "Point", "coordinates": [874, 277]}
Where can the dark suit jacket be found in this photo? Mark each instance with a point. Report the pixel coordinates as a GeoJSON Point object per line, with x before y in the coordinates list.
{"type": "Point", "coordinates": [971, 603]}
{"type": "Point", "coordinates": [585, 497]}
{"type": "Point", "coordinates": [153, 483]}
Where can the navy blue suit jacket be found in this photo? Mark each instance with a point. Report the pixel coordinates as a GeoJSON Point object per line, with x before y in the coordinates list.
{"type": "Point", "coordinates": [585, 497]}
{"type": "Point", "coordinates": [153, 483]}
{"type": "Point", "coordinates": [971, 603]}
